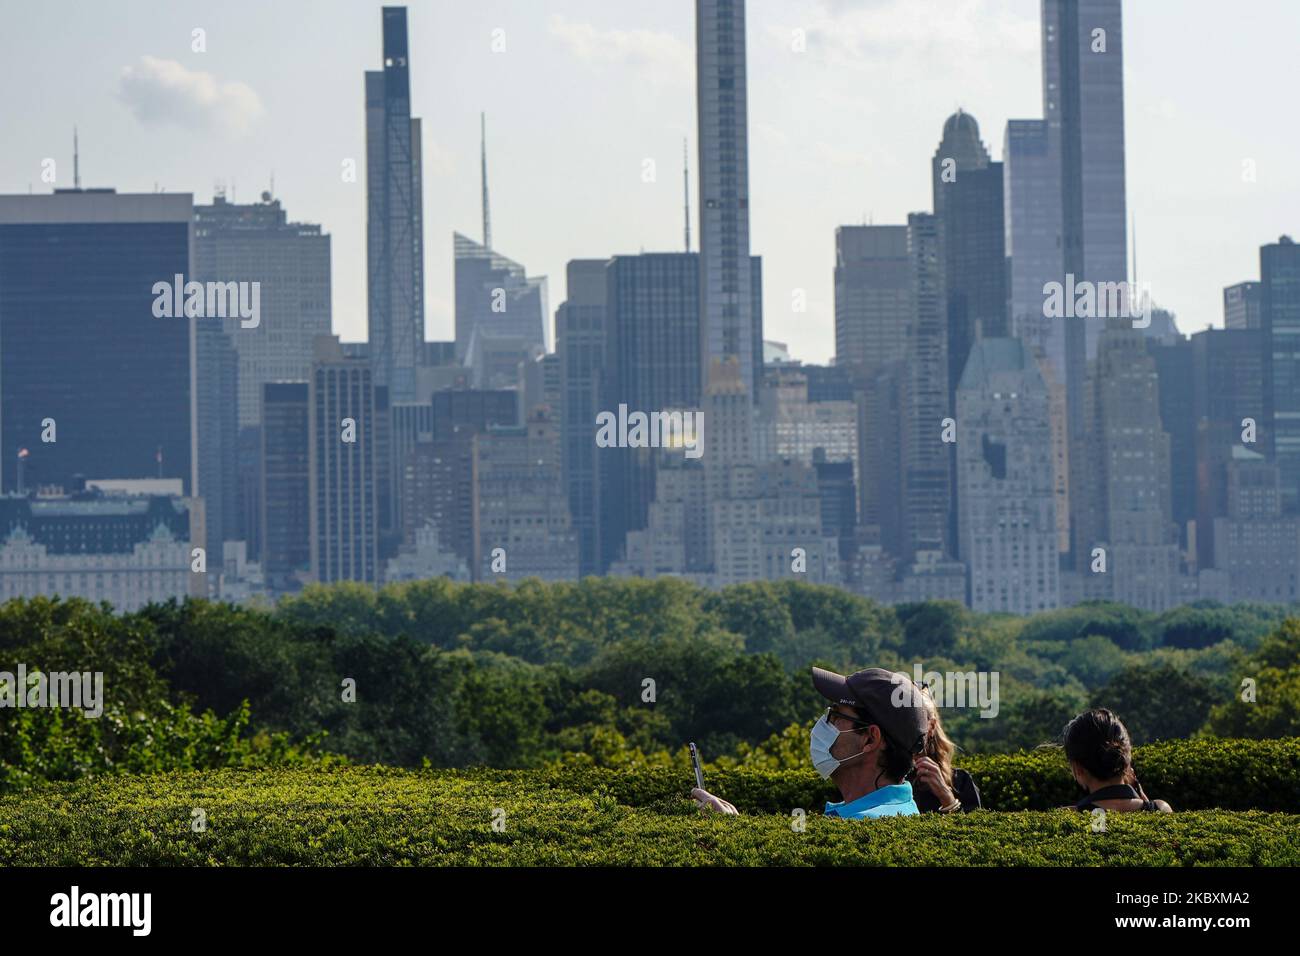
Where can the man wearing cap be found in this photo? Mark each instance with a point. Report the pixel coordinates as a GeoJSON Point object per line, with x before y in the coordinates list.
{"type": "Point", "coordinates": [864, 743]}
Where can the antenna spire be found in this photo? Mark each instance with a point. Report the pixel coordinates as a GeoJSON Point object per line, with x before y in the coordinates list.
{"type": "Point", "coordinates": [76, 160]}
{"type": "Point", "coordinates": [487, 215]}
{"type": "Point", "coordinates": [686, 192]}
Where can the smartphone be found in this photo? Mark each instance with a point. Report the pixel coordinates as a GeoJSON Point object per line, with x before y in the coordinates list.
{"type": "Point", "coordinates": [695, 763]}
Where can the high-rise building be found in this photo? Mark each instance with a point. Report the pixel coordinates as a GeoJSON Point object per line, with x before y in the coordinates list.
{"type": "Point", "coordinates": [1031, 187]}
{"type": "Point", "coordinates": [290, 261]}
{"type": "Point", "coordinates": [731, 325]}
{"type": "Point", "coordinates": [1227, 390]}
{"type": "Point", "coordinates": [217, 428]}
{"type": "Point", "coordinates": [1083, 105]}
{"type": "Point", "coordinates": [790, 426]}
{"type": "Point", "coordinates": [290, 265]}
{"type": "Point", "coordinates": [1279, 272]}
{"type": "Point", "coordinates": [286, 485]}
{"type": "Point", "coordinates": [394, 217]}
{"type": "Point", "coordinates": [1174, 360]}
{"type": "Point", "coordinates": [94, 379]}
{"type": "Point", "coordinates": [968, 202]}
{"type": "Point", "coordinates": [1241, 306]}
{"type": "Point", "coordinates": [1256, 545]}
{"type": "Point", "coordinates": [925, 456]}
{"type": "Point", "coordinates": [343, 466]}
{"type": "Point", "coordinates": [873, 295]}
{"type": "Point", "coordinates": [1128, 510]}
{"type": "Point", "coordinates": [580, 343]}
{"type": "Point", "coordinates": [496, 299]}
{"type": "Point", "coordinates": [652, 365]}
{"type": "Point", "coordinates": [1007, 514]}
{"type": "Point", "coordinates": [523, 523]}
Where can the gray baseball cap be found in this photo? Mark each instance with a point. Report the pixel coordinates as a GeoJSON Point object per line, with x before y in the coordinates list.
{"type": "Point", "coordinates": [873, 691]}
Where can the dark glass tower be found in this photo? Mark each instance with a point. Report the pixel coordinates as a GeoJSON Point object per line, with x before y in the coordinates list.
{"type": "Point", "coordinates": [394, 225]}
{"type": "Point", "coordinates": [286, 485]}
{"type": "Point", "coordinates": [1279, 274]}
{"type": "Point", "coordinates": [653, 360]}
{"type": "Point", "coordinates": [79, 343]}
{"type": "Point", "coordinates": [580, 342]}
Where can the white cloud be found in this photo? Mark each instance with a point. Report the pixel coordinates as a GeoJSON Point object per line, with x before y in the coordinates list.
{"type": "Point", "coordinates": [163, 93]}
{"type": "Point", "coordinates": [661, 57]}
{"type": "Point", "coordinates": [871, 34]}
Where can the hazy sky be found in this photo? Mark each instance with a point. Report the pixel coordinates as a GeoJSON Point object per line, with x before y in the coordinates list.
{"type": "Point", "coordinates": [586, 90]}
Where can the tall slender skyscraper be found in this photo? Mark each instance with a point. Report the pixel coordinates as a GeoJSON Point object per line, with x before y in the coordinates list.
{"type": "Point", "coordinates": [395, 225]}
{"type": "Point", "coordinates": [926, 461]}
{"type": "Point", "coordinates": [730, 323]}
{"type": "Point", "coordinates": [1279, 273]}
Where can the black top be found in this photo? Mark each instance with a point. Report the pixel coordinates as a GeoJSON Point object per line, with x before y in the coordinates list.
{"type": "Point", "coordinates": [1121, 791]}
{"type": "Point", "coordinates": [963, 788]}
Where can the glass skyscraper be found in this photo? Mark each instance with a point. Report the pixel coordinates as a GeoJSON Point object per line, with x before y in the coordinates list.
{"type": "Point", "coordinates": [394, 223]}
{"type": "Point", "coordinates": [83, 360]}
{"type": "Point", "coordinates": [1279, 274]}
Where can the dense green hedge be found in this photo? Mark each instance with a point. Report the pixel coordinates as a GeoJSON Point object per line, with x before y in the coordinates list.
{"type": "Point", "coordinates": [366, 815]}
{"type": "Point", "coordinates": [1189, 774]}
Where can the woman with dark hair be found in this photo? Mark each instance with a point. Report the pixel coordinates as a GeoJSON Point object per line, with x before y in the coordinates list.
{"type": "Point", "coordinates": [1100, 752]}
{"type": "Point", "coordinates": [937, 786]}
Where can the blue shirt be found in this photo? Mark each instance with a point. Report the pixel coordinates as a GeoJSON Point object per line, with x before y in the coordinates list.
{"type": "Point", "coordinates": [892, 801]}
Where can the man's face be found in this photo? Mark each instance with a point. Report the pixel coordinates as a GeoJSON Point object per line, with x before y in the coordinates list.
{"type": "Point", "coordinates": [847, 744]}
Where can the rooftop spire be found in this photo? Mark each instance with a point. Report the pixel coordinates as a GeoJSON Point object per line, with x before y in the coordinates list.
{"type": "Point", "coordinates": [76, 160]}
{"type": "Point", "coordinates": [487, 216]}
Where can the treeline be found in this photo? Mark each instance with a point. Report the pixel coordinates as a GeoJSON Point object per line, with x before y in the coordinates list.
{"type": "Point", "coordinates": [605, 671]}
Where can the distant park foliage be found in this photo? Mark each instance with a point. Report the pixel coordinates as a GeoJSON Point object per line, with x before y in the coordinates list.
{"type": "Point", "coordinates": [602, 673]}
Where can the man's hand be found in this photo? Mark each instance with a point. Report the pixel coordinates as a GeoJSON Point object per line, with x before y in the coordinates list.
{"type": "Point", "coordinates": [928, 773]}
{"type": "Point", "coordinates": [707, 801]}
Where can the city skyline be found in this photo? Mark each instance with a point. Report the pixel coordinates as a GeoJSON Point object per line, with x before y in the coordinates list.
{"type": "Point", "coordinates": [248, 121]}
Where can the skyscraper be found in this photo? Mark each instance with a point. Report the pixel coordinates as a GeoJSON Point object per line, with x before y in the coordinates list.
{"type": "Point", "coordinates": [580, 342]}
{"type": "Point", "coordinates": [873, 295]}
{"type": "Point", "coordinates": [968, 202]}
{"type": "Point", "coordinates": [92, 383]}
{"type": "Point", "coordinates": [1007, 515]}
{"type": "Point", "coordinates": [290, 262]}
{"type": "Point", "coordinates": [925, 456]}
{"type": "Point", "coordinates": [343, 467]}
{"type": "Point", "coordinates": [286, 485]}
{"type": "Point", "coordinates": [652, 359]}
{"type": "Point", "coordinates": [394, 218]}
{"type": "Point", "coordinates": [1241, 306]}
{"type": "Point", "coordinates": [255, 242]}
{"type": "Point", "coordinates": [730, 324]}
{"type": "Point", "coordinates": [1279, 274]}
{"type": "Point", "coordinates": [1083, 105]}
{"type": "Point", "coordinates": [967, 190]}
{"type": "Point", "coordinates": [496, 300]}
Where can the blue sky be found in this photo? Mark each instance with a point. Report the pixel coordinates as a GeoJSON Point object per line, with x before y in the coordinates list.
{"type": "Point", "coordinates": [586, 90]}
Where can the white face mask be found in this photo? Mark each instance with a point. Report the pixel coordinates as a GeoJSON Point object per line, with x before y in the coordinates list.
{"type": "Point", "coordinates": [821, 740]}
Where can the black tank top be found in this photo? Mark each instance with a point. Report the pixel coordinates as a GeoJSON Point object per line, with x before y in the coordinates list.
{"type": "Point", "coordinates": [1120, 791]}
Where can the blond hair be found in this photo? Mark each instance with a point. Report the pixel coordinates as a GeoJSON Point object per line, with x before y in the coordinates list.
{"type": "Point", "coordinates": [938, 746]}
